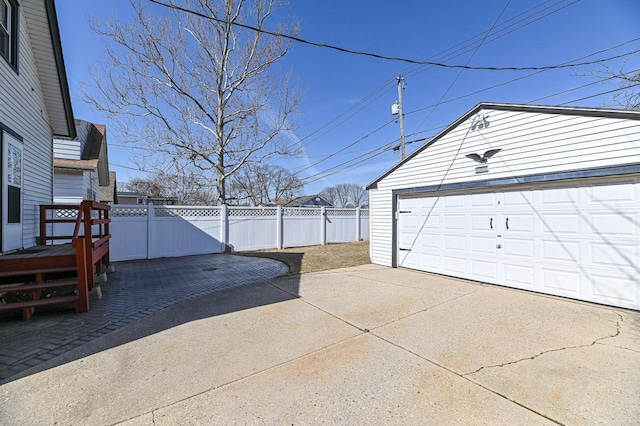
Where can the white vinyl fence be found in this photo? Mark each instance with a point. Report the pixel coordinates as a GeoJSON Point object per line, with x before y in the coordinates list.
{"type": "Point", "coordinates": [148, 232]}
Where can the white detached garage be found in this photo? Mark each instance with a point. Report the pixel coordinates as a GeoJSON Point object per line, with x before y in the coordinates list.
{"type": "Point", "coordinates": [539, 198]}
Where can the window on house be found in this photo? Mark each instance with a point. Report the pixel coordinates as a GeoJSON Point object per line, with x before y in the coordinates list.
{"type": "Point", "coordinates": [9, 31]}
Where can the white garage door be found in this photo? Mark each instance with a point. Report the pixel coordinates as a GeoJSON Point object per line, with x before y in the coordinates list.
{"type": "Point", "coordinates": [579, 240]}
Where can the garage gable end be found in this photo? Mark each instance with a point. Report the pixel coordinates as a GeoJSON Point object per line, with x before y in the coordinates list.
{"type": "Point", "coordinates": [499, 141]}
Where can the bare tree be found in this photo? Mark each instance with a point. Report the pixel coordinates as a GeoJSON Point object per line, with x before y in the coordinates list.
{"type": "Point", "coordinates": [628, 82]}
{"type": "Point", "coordinates": [330, 193]}
{"type": "Point", "coordinates": [200, 94]}
{"type": "Point", "coordinates": [358, 195]}
{"type": "Point", "coordinates": [264, 184]}
{"type": "Point", "coordinates": [186, 189]}
{"type": "Point", "coordinates": [345, 195]}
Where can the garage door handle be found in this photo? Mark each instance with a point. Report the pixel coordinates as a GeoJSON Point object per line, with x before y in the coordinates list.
{"type": "Point", "coordinates": [405, 249]}
{"type": "Point", "coordinates": [491, 223]}
{"type": "Point", "coordinates": [507, 223]}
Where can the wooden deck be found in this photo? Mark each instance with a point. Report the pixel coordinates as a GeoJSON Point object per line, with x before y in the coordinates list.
{"type": "Point", "coordinates": [38, 259]}
{"type": "Point", "coordinates": [32, 270]}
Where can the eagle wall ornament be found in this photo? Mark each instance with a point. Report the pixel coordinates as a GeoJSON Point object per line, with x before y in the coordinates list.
{"type": "Point", "coordinates": [483, 159]}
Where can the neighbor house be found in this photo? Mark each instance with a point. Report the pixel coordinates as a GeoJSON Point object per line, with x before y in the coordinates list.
{"type": "Point", "coordinates": [129, 197]}
{"type": "Point", "coordinates": [34, 106]}
{"type": "Point", "coordinates": [309, 201]}
{"type": "Point", "coordinates": [538, 198]}
{"type": "Point", "coordinates": [81, 166]}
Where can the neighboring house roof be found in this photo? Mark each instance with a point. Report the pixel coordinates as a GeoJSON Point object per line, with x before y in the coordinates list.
{"type": "Point", "coordinates": [109, 193]}
{"type": "Point", "coordinates": [42, 25]}
{"type": "Point", "coordinates": [541, 109]}
{"type": "Point", "coordinates": [63, 163]}
{"type": "Point", "coordinates": [91, 139]}
{"type": "Point", "coordinates": [308, 201]}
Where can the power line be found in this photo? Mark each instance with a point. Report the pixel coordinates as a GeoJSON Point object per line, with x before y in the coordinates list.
{"type": "Point", "coordinates": [504, 9]}
{"type": "Point", "coordinates": [361, 103]}
{"type": "Point", "coordinates": [384, 57]}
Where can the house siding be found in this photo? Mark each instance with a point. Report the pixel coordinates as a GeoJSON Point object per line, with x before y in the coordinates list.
{"type": "Point", "coordinates": [68, 187]}
{"type": "Point", "coordinates": [531, 143]}
{"type": "Point", "coordinates": [22, 109]}
{"type": "Point", "coordinates": [67, 149]}
{"type": "Point", "coordinates": [380, 222]}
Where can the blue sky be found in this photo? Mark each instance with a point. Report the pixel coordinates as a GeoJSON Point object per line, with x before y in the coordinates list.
{"type": "Point", "coordinates": [356, 91]}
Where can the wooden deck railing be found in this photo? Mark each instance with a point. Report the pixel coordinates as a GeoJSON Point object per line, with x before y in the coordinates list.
{"type": "Point", "coordinates": [90, 239]}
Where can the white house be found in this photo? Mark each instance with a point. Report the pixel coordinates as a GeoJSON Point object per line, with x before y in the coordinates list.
{"type": "Point", "coordinates": [81, 164]}
{"type": "Point", "coordinates": [539, 198]}
{"type": "Point", "coordinates": [34, 106]}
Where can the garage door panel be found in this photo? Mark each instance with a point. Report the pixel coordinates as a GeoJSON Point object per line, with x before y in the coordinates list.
{"type": "Point", "coordinates": [431, 203]}
{"type": "Point", "coordinates": [519, 222]}
{"type": "Point", "coordinates": [608, 195]}
{"type": "Point", "coordinates": [561, 251]}
{"type": "Point", "coordinates": [520, 276]}
{"type": "Point", "coordinates": [555, 197]}
{"type": "Point", "coordinates": [613, 225]}
{"type": "Point", "coordinates": [408, 259]}
{"type": "Point", "coordinates": [430, 241]}
{"type": "Point", "coordinates": [430, 261]}
{"type": "Point", "coordinates": [455, 242]}
{"type": "Point", "coordinates": [618, 290]}
{"type": "Point", "coordinates": [484, 269]}
{"type": "Point", "coordinates": [561, 224]}
{"type": "Point", "coordinates": [561, 281]}
{"type": "Point", "coordinates": [617, 255]}
{"type": "Point", "coordinates": [486, 200]}
{"type": "Point", "coordinates": [522, 248]}
{"type": "Point", "coordinates": [483, 222]}
{"type": "Point", "coordinates": [521, 199]}
{"type": "Point", "coordinates": [483, 245]}
{"type": "Point", "coordinates": [454, 201]}
{"type": "Point", "coordinates": [455, 265]}
{"type": "Point", "coordinates": [454, 222]}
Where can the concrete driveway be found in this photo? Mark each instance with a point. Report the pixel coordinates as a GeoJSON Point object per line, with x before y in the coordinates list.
{"type": "Point", "coordinates": [365, 345]}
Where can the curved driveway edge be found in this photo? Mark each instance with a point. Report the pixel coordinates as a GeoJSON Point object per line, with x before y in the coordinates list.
{"type": "Point", "coordinates": [137, 289]}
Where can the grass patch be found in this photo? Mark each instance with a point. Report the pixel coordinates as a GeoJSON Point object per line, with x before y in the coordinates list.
{"type": "Point", "coordinates": [302, 260]}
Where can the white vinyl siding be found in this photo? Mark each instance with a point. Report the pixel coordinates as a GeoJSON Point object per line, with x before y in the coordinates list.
{"type": "Point", "coordinates": [22, 109]}
{"type": "Point", "coordinates": [67, 149]}
{"type": "Point", "coordinates": [380, 221]}
{"type": "Point", "coordinates": [73, 187]}
{"type": "Point", "coordinates": [531, 143]}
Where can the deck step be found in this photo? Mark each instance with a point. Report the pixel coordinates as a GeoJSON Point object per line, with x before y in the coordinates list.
{"type": "Point", "coordinates": [51, 270]}
{"type": "Point", "coordinates": [50, 284]}
{"type": "Point", "coordinates": [40, 302]}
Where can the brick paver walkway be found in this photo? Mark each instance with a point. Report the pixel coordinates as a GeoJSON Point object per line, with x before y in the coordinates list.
{"type": "Point", "coordinates": [135, 290]}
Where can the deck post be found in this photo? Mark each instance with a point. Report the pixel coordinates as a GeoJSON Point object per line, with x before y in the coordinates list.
{"type": "Point", "coordinates": [83, 276]}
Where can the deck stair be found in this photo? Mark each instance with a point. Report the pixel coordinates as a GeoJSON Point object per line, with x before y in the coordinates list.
{"type": "Point", "coordinates": [38, 268]}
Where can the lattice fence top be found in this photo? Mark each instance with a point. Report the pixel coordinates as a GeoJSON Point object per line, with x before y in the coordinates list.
{"type": "Point", "coordinates": [187, 211]}
{"type": "Point", "coordinates": [66, 213]}
{"type": "Point", "coordinates": [252, 211]}
{"type": "Point", "coordinates": [341, 212]}
{"type": "Point", "coordinates": [301, 212]}
{"type": "Point", "coordinates": [364, 213]}
{"type": "Point", "coordinates": [127, 211]}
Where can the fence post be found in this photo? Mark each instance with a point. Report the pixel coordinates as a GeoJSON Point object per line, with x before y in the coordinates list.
{"type": "Point", "coordinates": [224, 227]}
{"type": "Point", "coordinates": [323, 222]}
{"type": "Point", "coordinates": [358, 225]}
{"type": "Point", "coordinates": [151, 213]}
{"type": "Point", "coordinates": [279, 228]}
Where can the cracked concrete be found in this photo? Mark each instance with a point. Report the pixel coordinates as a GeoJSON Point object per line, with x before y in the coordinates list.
{"type": "Point", "coordinates": [293, 350]}
{"type": "Point", "coordinates": [530, 358]}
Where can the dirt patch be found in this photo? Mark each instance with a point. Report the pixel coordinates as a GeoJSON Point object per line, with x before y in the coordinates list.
{"type": "Point", "coordinates": [302, 260]}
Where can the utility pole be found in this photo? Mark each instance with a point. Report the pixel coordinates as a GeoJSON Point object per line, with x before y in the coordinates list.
{"type": "Point", "coordinates": [401, 87]}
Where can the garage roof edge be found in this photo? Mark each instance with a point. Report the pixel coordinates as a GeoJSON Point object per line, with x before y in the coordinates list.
{"type": "Point", "coordinates": [543, 109]}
